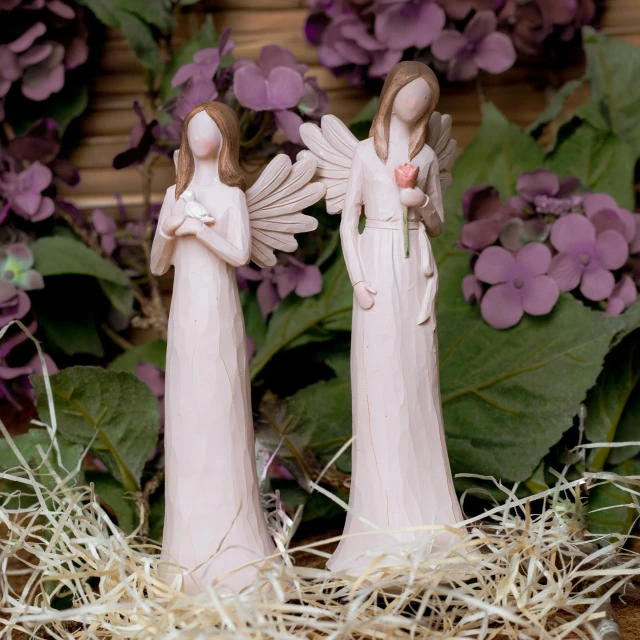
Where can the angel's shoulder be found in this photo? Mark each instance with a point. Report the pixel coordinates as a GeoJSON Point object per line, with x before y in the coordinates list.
{"type": "Point", "coordinates": [364, 149]}
{"type": "Point", "coordinates": [171, 191]}
{"type": "Point", "coordinates": [429, 153]}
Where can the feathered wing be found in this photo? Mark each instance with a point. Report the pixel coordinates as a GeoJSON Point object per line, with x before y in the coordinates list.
{"type": "Point", "coordinates": [275, 203]}
{"type": "Point", "coordinates": [333, 147]}
{"type": "Point", "coordinates": [440, 140]}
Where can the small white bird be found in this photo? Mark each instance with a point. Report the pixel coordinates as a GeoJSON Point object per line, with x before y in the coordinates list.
{"type": "Point", "coordinates": [194, 208]}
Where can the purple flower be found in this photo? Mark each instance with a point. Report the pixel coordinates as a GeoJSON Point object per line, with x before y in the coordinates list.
{"type": "Point", "coordinates": [541, 191]}
{"type": "Point", "coordinates": [624, 294]}
{"type": "Point", "coordinates": [517, 232]}
{"type": "Point", "coordinates": [480, 46]}
{"type": "Point", "coordinates": [314, 99]}
{"type": "Point", "coordinates": [525, 24]}
{"type": "Point", "coordinates": [22, 192]}
{"type": "Point", "coordinates": [605, 214]}
{"type": "Point", "coordinates": [10, 69]}
{"type": "Point", "coordinates": [106, 228]}
{"type": "Point", "coordinates": [16, 261]}
{"type": "Point", "coordinates": [586, 258]}
{"type": "Point", "coordinates": [14, 307]}
{"type": "Point", "coordinates": [634, 247]}
{"type": "Point", "coordinates": [277, 282]}
{"type": "Point", "coordinates": [519, 284]}
{"type": "Point", "coordinates": [141, 141]}
{"type": "Point", "coordinates": [275, 84]}
{"type": "Point", "coordinates": [487, 216]}
{"type": "Point", "coordinates": [472, 289]}
{"type": "Point", "coordinates": [401, 25]}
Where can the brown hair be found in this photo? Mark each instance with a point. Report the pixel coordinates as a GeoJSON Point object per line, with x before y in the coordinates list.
{"type": "Point", "coordinates": [400, 76]}
{"type": "Point", "coordinates": [228, 169]}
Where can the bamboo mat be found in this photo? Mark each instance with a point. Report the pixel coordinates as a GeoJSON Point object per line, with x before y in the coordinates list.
{"type": "Point", "coordinates": [521, 93]}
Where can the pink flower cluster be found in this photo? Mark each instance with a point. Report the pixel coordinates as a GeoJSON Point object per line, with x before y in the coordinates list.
{"type": "Point", "coordinates": [546, 239]}
{"type": "Point", "coordinates": [365, 38]}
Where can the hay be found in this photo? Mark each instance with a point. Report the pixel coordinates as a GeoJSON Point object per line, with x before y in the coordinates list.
{"type": "Point", "coordinates": [524, 569]}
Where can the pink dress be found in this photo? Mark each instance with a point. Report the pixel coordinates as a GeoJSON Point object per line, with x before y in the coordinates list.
{"type": "Point", "coordinates": [213, 516]}
{"type": "Point", "coordinates": [401, 475]}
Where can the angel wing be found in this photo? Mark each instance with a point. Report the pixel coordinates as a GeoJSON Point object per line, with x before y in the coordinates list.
{"type": "Point", "coordinates": [334, 145]}
{"type": "Point", "coordinates": [275, 203]}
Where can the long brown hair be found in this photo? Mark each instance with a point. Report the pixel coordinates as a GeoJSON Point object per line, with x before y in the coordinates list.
{"type": "Point", "coordinates": [400, 76]}
{"type": "Point", "coordinates": [228, 168]}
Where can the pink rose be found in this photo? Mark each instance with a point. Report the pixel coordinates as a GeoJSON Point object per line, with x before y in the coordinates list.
{"type": "Point", "coordinates": [406, 175]}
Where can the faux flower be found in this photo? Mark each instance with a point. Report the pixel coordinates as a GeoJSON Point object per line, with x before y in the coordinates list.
{"type": "Point", "coordinates": [487, 216]}
{"type": "Point", "coordinates": [106, 228]}
{"type": "Point", "coordinates": [541, 191]}
{"type": "Point", "coordinates": [520, 284]}
{"type": "Point", "coordinates": [479, 46]}
{"type": "Point", "coordinates": [14, 307]}
{"type": "Point", "coordinates": [605, 214]}
{"type": "Point", "coordinates": [400, 25]}
{"type": "Point", "coordinates": [275, 84]}
{"type": "Point", "coordinates": [585, 257]}
{"type": "Point", "coordinates": [526, 25]}
{"type": "Point", "coordinates": [141, 141]}
{"type": "Point", "coordinates": [22, 192]}
{"type": "Point", "coordinates": [16, 262]}
{"type": "Point", "coordinates": [277, 282]}
{"type": "Point", "coordinates": [460, 9]}
{"type": "Point", "coordinates": [624, 294]}
{"type": "Point", "coordinates": [516, 232]}
{"type": "Point", "coordinates": [472, 289]}
{"type": "Point", "coordinates": [406, 175]}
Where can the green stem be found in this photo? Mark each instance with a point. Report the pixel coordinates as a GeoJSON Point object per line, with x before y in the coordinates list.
{"type": "Point", "coordinates": [405, 230]}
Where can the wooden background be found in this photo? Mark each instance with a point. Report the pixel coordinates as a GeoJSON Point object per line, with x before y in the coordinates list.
{"type": "Point", "coordinates": [521, 93]}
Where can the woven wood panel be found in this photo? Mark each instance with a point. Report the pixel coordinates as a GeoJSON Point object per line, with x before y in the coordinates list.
{"type": "Point", "coordinates": [521, 93]}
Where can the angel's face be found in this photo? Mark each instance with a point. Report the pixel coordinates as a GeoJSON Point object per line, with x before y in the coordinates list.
{"type": "Point", "coordinates": [412, 101]}
{"type": "Point", "coordinates": [203, 136]}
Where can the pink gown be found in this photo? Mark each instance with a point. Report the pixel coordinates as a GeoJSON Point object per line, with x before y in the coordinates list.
{"type": "Point", "coordinates": [213, 515]}
{"type": "Point", "coordinates": [401, 475]}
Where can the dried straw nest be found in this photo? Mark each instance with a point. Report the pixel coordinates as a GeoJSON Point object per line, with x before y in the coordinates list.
{"type": "Point", "coordinates": [524, 569]}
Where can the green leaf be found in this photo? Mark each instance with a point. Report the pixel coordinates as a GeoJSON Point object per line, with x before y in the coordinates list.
{"type": "Point", "coordinates": [205, 38]}
{"type": "Point", "coordinates": [298, 321]}
{"type": "Point", "coordinates": [501, 389]}
{"type": "Point", "coordinates": [113, 494]}
{"type": "Point", "coordinates": [112, 411]}
{"type": "Point", "coordinates": [104, 10]}
{"type": "Point", "coordinates": [554, 108]}
{"type": "Point", "coordinates": [121, 298]}
{"type": "Point", "coordinates": [154, 352]}
{"type": "Point", "coordinates": [323, 410]}
{"type": "Point", "coordinates": [613, 69]}
{"type": "Point", "coordinates": [142, 41]}
{"type": "Point", "coordinates": [613, 405]}
{"type": "Point", "coordinates": [154, 12]}
{"type": "Point", "coordinates": [601, 159]}
{"type": "Point", "coordinates": [616, 517]}
{"type": "Point", "coordinates": [27, 444]}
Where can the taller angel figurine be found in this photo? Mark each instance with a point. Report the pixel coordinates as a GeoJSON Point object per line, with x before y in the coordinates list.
{"type": "Point", "coordinates": [401, 475]}
{"type": "Point", "coordinates": [214, 521]}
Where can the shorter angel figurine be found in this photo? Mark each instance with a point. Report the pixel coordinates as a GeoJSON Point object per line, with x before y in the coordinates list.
{"type": "Point", "coordinates": [214, 522]}
{"type": "Point", "coordinates": [401, 476]}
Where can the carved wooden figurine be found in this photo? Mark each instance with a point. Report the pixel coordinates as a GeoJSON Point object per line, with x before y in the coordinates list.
{"type": "Point", "coordinates": [401, 475]}
{"type": "Point", "coordinates": [214, 521]}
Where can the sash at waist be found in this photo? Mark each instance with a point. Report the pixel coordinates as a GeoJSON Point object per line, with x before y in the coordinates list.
{"type": "Point", "coordinates": [427, 261]}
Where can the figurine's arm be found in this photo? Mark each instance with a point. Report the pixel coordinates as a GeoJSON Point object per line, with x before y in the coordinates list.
{"type": "Point", "coordinates": [163, 244]}
{"type": "Point", "coordinates": [432, 212]}
{"type": "Point", "coordinates": [236, 248]}
{"type": "Point", "coordinates": [351, 211]}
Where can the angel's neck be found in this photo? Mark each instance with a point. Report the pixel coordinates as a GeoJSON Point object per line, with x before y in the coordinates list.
{"type": "Point", "coordinates": [399, 131]}
{"type": "Point", "coordinates": [205, 172]}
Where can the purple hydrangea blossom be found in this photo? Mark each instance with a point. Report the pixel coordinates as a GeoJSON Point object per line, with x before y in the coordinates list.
{"type": "Point", "coordinates": [22, 192]}
{"type": "Point", "coordinates": [277, 282]}
{"type": "Point", "coordinates": [624, 294]}
{"type": "Point", "coordinates": [520, 284]}
{"type": "Point", "coordinates": [585, 257]}
{"type": "Point", "coordinates": [542, 191]}
{"type": "Point", "coordinates": [605, 214]}
{"type": "Point", "coordinates": [479, 46]}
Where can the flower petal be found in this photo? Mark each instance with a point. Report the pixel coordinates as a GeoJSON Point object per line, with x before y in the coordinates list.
{"type": "Point", "coordinates": [22, 43]}
{"type": "Point", "coordinates": [539, 182]}
{"type": "Point", "coordinates": [501, 306]}
{"type": "Point", "coordinates": [272, 56]}
{"type": "Point", "coordinates": [571, 230]}
{"type": "Point", "coordinates": [597, 283]}
{"type": "Point", "coordinates": [250, 88]}
{"type": "Point", "coordinates": [471, 289]}
{"type": "Point", "coordinates": [448, 45]}
{"type": "Point", "coordinates": [611, 250]}
{"type": "Point", "coordinates": [615, 306]}
{"type": "Point", "coordinates": [494, 265]}
{"type": "Point", "coordinates": [462, 69]}
{"type": "Point", "coordinates": [540, 296]}
{"type": "Point", "coordinates": [535, 257]}
{"type": "Point", "coordinates": [309, 281]}
{"type": "Point", "coordinates": [479, 234]}
{"type": "Point", "coordinates": [267, 296]}
{"type": "Point", "coordinates": [495, 53]}
{"type": "Point", "coordinates": [480, 201]}
{"type": "Point", "coordinates": [480, 26]}
{"type": "Point", "coordinates": [566, 269]}
{"type": "Point", "coordinates": [284, 88]}
{"type": "Point", "coordinates": [289, 123]}
{"type": "Point", "coordinates": [597, 202]}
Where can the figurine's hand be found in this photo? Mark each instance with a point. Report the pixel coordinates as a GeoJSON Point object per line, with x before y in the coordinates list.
{"type": "Point", "coordinates": [170, 225]}
{"type": "Point", "coordinates": [190, 226]}
{"type": "Point", "coordinates": [363, 292]}
{"type": "Point", "coordinates": [413, 197]}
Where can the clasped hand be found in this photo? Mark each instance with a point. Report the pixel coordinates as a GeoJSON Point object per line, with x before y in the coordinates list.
{"type": "Point", "coordinates": [181, 225]}
{"type": "Point", "coordinates": [413, 197]}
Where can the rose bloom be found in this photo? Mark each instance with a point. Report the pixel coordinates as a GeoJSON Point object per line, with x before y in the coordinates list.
{"type": "Point", "coordinates": [406, 175]}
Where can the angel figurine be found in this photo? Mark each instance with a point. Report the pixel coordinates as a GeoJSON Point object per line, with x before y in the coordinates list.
{"type": "Point", "coordinates": [401, 475]}
{"type": "Point", "coordinates": [214, 522]}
